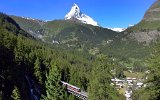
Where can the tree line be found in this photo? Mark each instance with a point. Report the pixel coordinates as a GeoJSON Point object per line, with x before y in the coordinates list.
{"type": "Point", "coordinates": [21, 55]}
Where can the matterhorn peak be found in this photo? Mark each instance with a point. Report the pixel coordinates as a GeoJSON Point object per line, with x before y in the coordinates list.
{"type": "Point", "coordinates": [75, 7]}
{"type": "Point", "coordinates": [76, 14]}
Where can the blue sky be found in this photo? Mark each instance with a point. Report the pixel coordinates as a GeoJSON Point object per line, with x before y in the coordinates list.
{"type": "Point", "coordinates": [108, 13]}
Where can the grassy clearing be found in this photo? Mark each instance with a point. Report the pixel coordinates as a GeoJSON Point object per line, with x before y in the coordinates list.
{"type": "Point", "coordinates": [137, 75]}
{"type": "Point", "coordinates": [121, 91]}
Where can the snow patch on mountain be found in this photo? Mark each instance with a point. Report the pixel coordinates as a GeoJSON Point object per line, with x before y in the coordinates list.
{"type": "Point", "coordinates": [33, 19]}
{"type": "Point", "coordinates": [29, 18]}
{"type": "Point", "coordinates": [130, 25]}
{"type": "Point", "coordinates": [117, 29]}
{"type": "Point", "coordinates": [75, 13]}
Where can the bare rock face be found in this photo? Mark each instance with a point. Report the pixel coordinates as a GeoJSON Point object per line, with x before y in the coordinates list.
{"type": "Point", "coordinates": [153, 13]}
{"type": "Point", "coordinates": [148, 29]}
{"type": "Point", "coordinates": [146, 37]}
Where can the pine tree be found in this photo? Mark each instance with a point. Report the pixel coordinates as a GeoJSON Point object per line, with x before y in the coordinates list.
{"type": "Point", "coordinates": [19, 50]}
{"type": "Point", "coordinates": [15, 94]}
{"type": "Point", "coordinates": [54, 90]}
{"type": "Point", "coordinates": [37, 70]}
{"type": "Point", "coordinates": [99, 86]}
{"type": "Point", "coordinates": [71, 97]}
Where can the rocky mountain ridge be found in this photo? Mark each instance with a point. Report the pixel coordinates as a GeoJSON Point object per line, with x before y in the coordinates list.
{"type": "Point", "coordinates": [148, 29]}
{"type": "Point", "coordinates": [153, 13]}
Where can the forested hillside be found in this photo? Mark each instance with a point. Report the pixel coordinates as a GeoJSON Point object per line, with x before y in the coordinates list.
{"type": "Point", "coordinates": [38, 58]}
{"type": "Point", "coordinates": [94, 40]}
{"type": "Point", "coordinates": [152, 91]}
{"type": "Point", "coordinates": [79, 36]}
{"type": "Point", "coordinates": [30, 68]}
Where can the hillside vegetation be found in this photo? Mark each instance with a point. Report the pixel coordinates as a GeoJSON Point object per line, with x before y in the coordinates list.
{"type": "Point", "coordinates": [26, 61]}
{"type": "Point", "coordinates": [35, 56]}
{"type": "Point", "coordinates": [85, 38]}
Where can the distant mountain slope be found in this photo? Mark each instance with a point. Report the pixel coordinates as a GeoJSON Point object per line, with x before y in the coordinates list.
{"type": "Point", "coordinates": [73, 34]}
{"type": "Point", "coordinates": [61, 29]}
{"type": "Point", "coordinates": [132, 43]}
{"type": "Point", "coordinates": [137, 41]}
{"type": "Point", "coordinates": [153, 13]}
{"type": "Point", "coordinates": [32, 26]}
{"type": "Point", "coordinates": [8, 23]}
{"type": "Point", "coordinates": [151, 19]}
{"type": "Point", "coordinates": [148, 29]}
{"type": "Point", "coordinates": [83, 37]}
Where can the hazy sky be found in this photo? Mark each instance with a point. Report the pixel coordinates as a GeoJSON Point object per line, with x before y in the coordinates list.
{"type": "Point", "coordinates": [108, 13]}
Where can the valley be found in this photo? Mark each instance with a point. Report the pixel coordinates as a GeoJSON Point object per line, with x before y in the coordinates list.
{"type": "Point", "coordinates": [75, 58]}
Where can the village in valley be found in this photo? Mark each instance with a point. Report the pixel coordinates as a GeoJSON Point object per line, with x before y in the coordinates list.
{"type": "Point", "coordinates": [131, 82]}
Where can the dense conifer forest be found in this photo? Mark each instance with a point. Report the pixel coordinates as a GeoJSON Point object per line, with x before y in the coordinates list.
{"type": "Point", "coordinates": [85, 56]}
{"type": "Point", "coordinates": [24, 59]}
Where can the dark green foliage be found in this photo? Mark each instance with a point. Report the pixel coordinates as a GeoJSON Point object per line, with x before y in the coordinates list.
{"type": "Point", "coordinates": [15, 94]}
{"type": "Point", "coordinates": [158, 29]}
{"type": "Point", "coordinates": [54, 90]}
{"type": "Point", "coordinates": [37, 70]}
{"type": "Point", "coordinates": [119, 72]}
{"type": "Point", "coordinates": [152, 91]}
{"type": "Point", "coordinates": [127, 48]}
{"type": "Point", "coordinates": [100, 88]}
{"type": "Point", "coordinates": [10, 25]}
{"type": "Point", "coordinates": [86, 38]}
{"type": "Point", "coordinates": [142, 94]}
{"type": "Point", "coordinates": [29, 25]}
{"type": "Point", "coordinates": [139, 67]}
{"type": "Point", "coordinates": [154, 77]}
{"type": "Point", "coordinates": [21, 56]}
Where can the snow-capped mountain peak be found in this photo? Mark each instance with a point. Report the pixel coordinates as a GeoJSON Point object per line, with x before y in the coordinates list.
{"type": "Point", "coordinates": [117, 29]}
{"type": "Point", "coordinates": [76, 14]}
